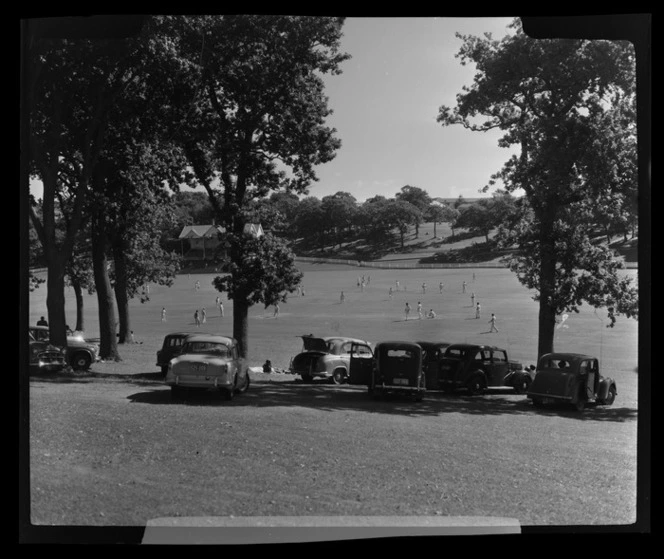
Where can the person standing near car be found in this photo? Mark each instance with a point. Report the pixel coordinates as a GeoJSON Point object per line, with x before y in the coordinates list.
{"type": "Point", "coordinates": [42, 322]}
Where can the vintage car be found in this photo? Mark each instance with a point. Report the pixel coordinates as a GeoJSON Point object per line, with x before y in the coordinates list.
{"type": "Point", "coordinates": [45, 357]}
{"type": "Point", "coordinates": [432, 354]}
{"type": "Point", "coordinates": [208, 362]}
{"type": "Point", "coordinates": [475, 368]}
{"type": "Point", "coordinates": [327, 357]}
{"type": "Point", "coordinates": [397, 369]}
{"type": "Point", "coordinates": [571, 378]}
{"type": "Point", "coordinates": [171, 347]}
{"type": "Point", "coordinates": [80, 353]}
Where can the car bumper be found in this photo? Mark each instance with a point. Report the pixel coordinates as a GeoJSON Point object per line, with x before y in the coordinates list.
{"type": "Point", "coordinates": [49, 366]}
{"type": "Point", "coordinates": [199, 381]}
{"type": "Point", "coordinates": [548, 398]}
{"type": "Point", "coordinates": [387, 388]}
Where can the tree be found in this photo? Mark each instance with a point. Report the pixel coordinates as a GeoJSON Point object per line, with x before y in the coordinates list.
{"type": "Point", "coordinates": [436, 214]}
{"type": "Point", "coordinates": [418, 198]}
{"type": "Point", "coordinates": [401, 214]}
{"type": "Point", "coordinates": [561, 102]}
{"type": "Point", "coordinates": [478, 217]}
{"type": "Point", "coordinates": [71, 88]}
{"type": "Point", "coordinates": [338, 212]}
{"type": "Point", "coordinates": [254, 123]}
{"type": "Point", "coordinates": [308, 219]}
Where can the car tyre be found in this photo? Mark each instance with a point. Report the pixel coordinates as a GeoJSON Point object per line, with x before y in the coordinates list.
{"type": "Point", "coordinates": [81, 361]}
{"type": "Point", "coordinates": [475, 385]}
{"type": "Point", "coordinates": [177, 393]}
{"type": "Point", "coordinates": [306, 377]}
{"type": "Point", "coordinates": [338, 376]}
{"type": "Point", "coordinates": [522, 385]}
{"type": "Point", "coordinates": [610, 397]}
{"type": "Point", "coordinates": [246, 385]}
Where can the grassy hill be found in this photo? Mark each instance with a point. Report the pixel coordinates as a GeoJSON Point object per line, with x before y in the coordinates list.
{"type": "Point", "coordinates": [436, 244]}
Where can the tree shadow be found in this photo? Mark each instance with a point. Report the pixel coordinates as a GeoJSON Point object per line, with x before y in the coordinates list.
{"type": "Point", "coordinates": [331, 398]}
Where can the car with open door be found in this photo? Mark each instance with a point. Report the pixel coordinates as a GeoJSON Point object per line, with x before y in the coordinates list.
{"type": "Point", "coordinates": [326, 357]}
{"type": "Point", "coordinates": [432, 353]}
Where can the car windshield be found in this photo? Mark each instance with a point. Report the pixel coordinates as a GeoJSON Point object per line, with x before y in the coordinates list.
{"type": "Point", "coordinates": [212, 348]}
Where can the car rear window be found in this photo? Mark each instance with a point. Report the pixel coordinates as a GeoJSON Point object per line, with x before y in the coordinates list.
{"type": "Point", "coordinates": [400, 353]}
{"type": "Point", "coordinates": [211, 348]}
{"type": "Point", "coordinates": [175, 341]}
{"type": "Point", "coordinates": [455, 352]}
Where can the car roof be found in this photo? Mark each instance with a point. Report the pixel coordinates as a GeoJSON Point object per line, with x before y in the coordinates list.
{"type": "Point", "coordinates": [476, 346]}
{"type": "Point", "coordinates": [434, 344]}
{"type": "Point", "coordinates": [398, 343]}
{"type": "Point", "coordinates": [568, 356]}
{"type": "Point", "coordinates": [211, 338]}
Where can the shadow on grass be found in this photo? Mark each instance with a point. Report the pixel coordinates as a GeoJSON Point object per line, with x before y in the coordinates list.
{"type": "Point", "coordinates": [85, 377]}
{"type": "Point", "coordinates": [332, 398]}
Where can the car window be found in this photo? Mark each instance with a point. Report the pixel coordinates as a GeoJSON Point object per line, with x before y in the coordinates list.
{"type": "Point", "coordinates": [362, 351]}
{"type": "Point", "coordinates": [212, 348]}
{"type": "Point", "coordinates": [345, 348]}
{"type": "Point", "coordinates": [400, 353]}
{"type": "Point", "coordinates": [175, 342]}
{"type": "Point", "coordinates": [481, 355]}
{"type": "Point", "coordinates": [499, 355]}
{"type": "Point", "coordinates": [455, 352]}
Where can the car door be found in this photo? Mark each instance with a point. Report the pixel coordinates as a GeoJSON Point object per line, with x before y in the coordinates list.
{"type": "Point", "coordinates": [360, 364]}
{"type": "Point", "coordinates": [499, 367]}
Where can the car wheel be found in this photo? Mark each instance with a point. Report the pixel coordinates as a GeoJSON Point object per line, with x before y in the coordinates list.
{"type": "Point", "coordinates": [177, 393]}
{"type": "Point", "coordinates": [246, 385]}
{"type": "Point", "coordinates": [306, 377]}
{"type": "Point", "coordinates": [522, 385]}
{"type": "Point", "coordinates": [339, 376]}
{"type": "Point", "coordinates": [610, 397]}
{"type": "Point", "coordinates": [81, 361]}
{"type": "Point", "coordinates": [475, 385]}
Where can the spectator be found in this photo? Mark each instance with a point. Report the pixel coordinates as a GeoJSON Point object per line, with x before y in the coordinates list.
{"type": "Point", "coordinates": [42, 322]}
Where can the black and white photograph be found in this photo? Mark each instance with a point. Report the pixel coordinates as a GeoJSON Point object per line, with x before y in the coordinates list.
{"type": "Point", "coordinates": [329, 278]}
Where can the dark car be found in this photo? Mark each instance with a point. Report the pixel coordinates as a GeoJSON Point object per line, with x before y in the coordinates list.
{"type": "Point", "coordinates": [171, 347]}
{"type": "Point", "coordinates": [80, 353]}
{"type": "Point", "coordinates": [432, 354]}
{"type": "Point", "coordinates": [44, 356]}
{"type": "Point", "coordinates": [326, 357]}
{"type": "Point", "coordinates": [397, 369]}
{"type": "Point", "coordinates": [474, 368]}
{"type": "Point", "coordinates": [571, 378]}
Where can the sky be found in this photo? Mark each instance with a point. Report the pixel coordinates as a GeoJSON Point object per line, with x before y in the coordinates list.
{"type": "Point", "coordinates": [385, 106]}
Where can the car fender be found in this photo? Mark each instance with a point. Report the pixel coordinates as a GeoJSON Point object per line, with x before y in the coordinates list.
{"type": "Point", "coordinates": [604, 384]}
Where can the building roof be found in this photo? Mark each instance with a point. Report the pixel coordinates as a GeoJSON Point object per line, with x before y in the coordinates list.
{"type": "Point", "coordinates": [199, 231]}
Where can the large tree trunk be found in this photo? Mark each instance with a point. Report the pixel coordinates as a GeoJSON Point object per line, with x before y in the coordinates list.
{"type": "Point", "coordinates": [121, 294]}
{"type": "Point", "coordinates": [55, 298]}
{"type": "Point", "coordinates": [241, 325]}
{"type": "Point", "coordinates": [78, 293]}
{"type": "Point", "coordinates": [108, 344]}
{"type": "Point", "coordinates": [547, 311]}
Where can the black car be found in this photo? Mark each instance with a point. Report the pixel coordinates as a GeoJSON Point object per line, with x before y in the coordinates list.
{"type": "Point", "coordinates": [432, 353]}
{"type": "Point", "coordinates": [474, 368]}
{"type": "Point", "coordinates": [171, 347]}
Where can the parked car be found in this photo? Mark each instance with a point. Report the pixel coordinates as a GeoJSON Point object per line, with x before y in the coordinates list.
{"type": "Point", "coordinates": [398, 370]}
{"type": "Point", "coordinates": [172, 347]}
{"type": "Point", "coordinates": [45, 357]}
{"type": "Point", "coordinates": [474, 368]}
{"type": "Point", "coordinates": [326, 357]}
{"type": "Point", "coordinates": [208, 362]}
{"type": "Point", "coordinates": [80, 354]}
{"type": "Point", "coordinates": [571, 378]}
{"type": "Point", "coordinates": [432, 354]}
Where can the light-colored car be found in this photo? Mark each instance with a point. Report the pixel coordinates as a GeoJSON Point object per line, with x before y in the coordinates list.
{"type": "Point", "coordinates": [327, 357]}
{"type": "Point", "coordinates": [208, 362]}
{"type": "Point", "coordinates": [44, 356]}
{"type": "Point", "coordinates": [81, 354]}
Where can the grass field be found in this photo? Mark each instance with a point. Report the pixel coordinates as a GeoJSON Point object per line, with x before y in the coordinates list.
{"type": "Point", "coordinates": [370, 315]}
